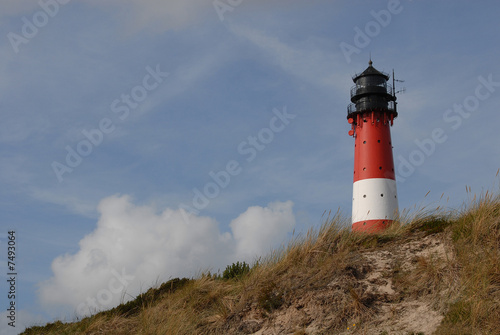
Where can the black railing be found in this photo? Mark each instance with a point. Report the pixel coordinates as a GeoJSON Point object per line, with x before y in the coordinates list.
{"type": "Point", "coordinates": [375, 89]}
{"type": "Point", "coordinates": [391, 108]}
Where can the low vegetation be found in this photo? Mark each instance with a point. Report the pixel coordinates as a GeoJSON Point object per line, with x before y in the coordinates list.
{"type": "Point", "coordinates": [437, 272]}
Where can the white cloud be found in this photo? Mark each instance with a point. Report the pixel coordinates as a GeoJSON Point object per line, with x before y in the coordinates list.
{"type": "Point", "coordinates": [164, 15]}
{"type": "Point", "coordinates": [152, 15]}
{"type": "Point", "coordinates": [134, 246]}
{"type": "Point", "coordinates": [156, 15]}
{"type": "Point", "coordinates": [177, 11]}
{"type": "Point", "coordinates": [259, 228]}
{"type": "Point", "coordinates": [75, 203]}
{"type": "Point", "coordinates": [307, 62]}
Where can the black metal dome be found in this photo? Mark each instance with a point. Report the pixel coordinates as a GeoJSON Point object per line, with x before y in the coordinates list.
{"type": "Point", "coordinates": [370, 71]}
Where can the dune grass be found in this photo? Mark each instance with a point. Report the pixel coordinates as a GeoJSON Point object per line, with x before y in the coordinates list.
{"type": "Point", "coordinates": [476, 237]}
{"type": "Point", "coordinates": [210, 304]}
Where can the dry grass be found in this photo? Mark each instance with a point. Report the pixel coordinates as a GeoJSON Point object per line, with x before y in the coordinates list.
{"type": "Point", "coordinates": [476, 235]}
{"type": "Point", "coordinates": [329, 261]}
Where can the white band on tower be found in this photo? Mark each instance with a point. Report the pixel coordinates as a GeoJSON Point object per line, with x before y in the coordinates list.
{"type": "Point", "coordinates": [374, 199]}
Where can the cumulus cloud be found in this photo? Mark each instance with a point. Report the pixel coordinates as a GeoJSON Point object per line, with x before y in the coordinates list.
{"type": "Point", "coordinates": [259, 228]}
{"type": "Point", "coordinates": [134, 246]}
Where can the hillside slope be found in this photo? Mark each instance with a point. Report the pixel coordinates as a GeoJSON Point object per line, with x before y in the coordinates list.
{"type": "Point", "coordinates": [438, 274]}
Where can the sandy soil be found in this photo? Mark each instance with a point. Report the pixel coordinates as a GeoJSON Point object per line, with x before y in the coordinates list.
{"type": "Point", "coordinates": [369, 283]}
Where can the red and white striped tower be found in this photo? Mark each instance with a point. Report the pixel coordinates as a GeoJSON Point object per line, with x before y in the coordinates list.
{"type": "Point", "coordinates": [371, 113]}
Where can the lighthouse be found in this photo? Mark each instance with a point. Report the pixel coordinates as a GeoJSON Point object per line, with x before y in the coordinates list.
{"type": "Point", "coordinates": [371, 115]}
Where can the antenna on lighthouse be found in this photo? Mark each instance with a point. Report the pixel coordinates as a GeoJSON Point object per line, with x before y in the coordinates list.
{"type": "Point", "coordinates": [402, 90]}
{"type": "Point", "coordinates": [394, 92]}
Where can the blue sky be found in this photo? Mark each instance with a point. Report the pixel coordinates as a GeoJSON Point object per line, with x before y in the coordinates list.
{"type": "Point", "coordinates": [254, 92]}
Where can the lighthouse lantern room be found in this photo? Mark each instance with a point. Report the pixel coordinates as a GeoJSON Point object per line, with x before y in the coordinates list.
{"type": "Point", "coordinates": [371, 114]}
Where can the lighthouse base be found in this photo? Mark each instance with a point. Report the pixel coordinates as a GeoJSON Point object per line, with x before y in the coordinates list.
{"type": "Point", "coordinates": [374, 204]}
{"type": "Point", "coordinates": [371, 226]}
